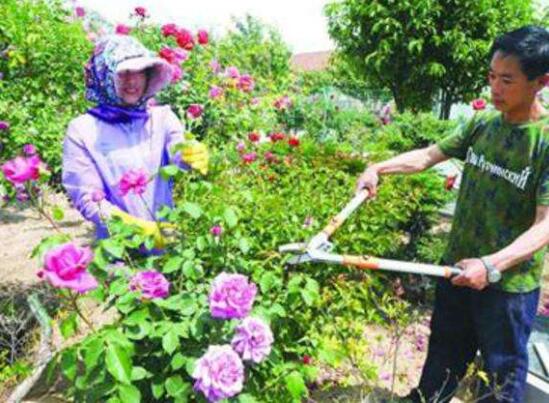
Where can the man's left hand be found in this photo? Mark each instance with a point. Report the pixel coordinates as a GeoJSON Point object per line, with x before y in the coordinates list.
{"type": "Point", "coordinates": [474, 274]}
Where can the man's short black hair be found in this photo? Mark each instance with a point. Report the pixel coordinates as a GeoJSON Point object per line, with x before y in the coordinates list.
{"type": "Point", "coordinates": [530, 44]}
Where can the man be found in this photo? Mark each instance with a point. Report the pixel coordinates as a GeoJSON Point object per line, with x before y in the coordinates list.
{"type": "Point", "coordinates": [501, 226]}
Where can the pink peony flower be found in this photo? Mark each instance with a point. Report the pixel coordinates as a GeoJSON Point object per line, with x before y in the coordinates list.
{"type": "Point", "coordinates": [177, 73]}
{"type": "Point", "coordinates": [219, 373]}
{"type": "Point", "coordinates": [184, 39]}
{"type": "Point", "coordinates": [4, 125]}
{"type": "Point", "coordinates": [479, 104]}
{"type": "Point", "coordinates": [216, 230]}
{"type": "Point", "coordinates": [122, 29]}
{"type": "Point", "coordinates": [152, 284]}
{"type": "Point", "coordinates": [169, 30]}
{"type": "Point", "coordinates": [202, 37]}
{"type": "Point", "coordinates": [215, 92]}
{"type": "Point", "coordinates": [65, 266]}
{"type": "Point", "coordinates": [194, 111]}
{"type": "Point", "coordinates": [231, 296]}
{"type": "Point", "coordinates": [80, 12]}
{"type": "Point", "coordinates": [22, 169]}
{"type": "Point", "coordinates": [141, 11]}
{"type": "Point", "coordinates": [134, 180]}
{"type": "Point", "coordinates": [232, 72]}
{"type": "Point", "coordinates": [253, 340]}
{"type": "Point", "coordinates": [245, 83]}
{"type": "Point", "coordinates": [29, 149]}
{"type": "Point", "coordinates": [249, 157]}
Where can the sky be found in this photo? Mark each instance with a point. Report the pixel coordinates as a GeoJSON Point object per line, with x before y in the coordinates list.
{"type": "Point", "coordinates": [301, 23]}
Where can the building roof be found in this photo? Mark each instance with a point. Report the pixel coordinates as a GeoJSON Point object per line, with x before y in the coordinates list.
{"type": "Point", "coordinates": [311, 61]}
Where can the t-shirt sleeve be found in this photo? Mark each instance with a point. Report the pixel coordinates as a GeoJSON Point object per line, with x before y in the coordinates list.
{"type": "Point", "coordinates": [455, 145]}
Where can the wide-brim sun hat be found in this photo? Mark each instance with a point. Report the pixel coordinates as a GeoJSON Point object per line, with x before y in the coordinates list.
{"type": "Point", "coordinates": [161, 72]}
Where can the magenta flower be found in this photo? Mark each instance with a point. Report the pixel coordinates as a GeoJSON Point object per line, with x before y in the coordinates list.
{"type": "Point", "coordinates": [270, 157]}
{"type": "Point", "coordinates": [97, 195]}
{"type": "Point", "coordinates": [215, 66]}
{"type": "Point", "coordinates": [254, 137]}
{"type": "Point", "coordinates": [152, 284]}
{"type": "Point", "coordinates": [134, 180]}
{"type": "Point", "coordinates": [219, 373]}
{"type": "Point", "coordinates": [122, 29]}
{"type": "Point", "coordinates": [283, 103]}
{"type": "Point", "coordinates": [169, 30]}
{"type": "Point", "coordinates": [80, 12]}
{"type": "Point", "coordinates": [216, 230]}
{"type": "Point", "coordinates": [29, 149]}
{"type": "Point", "coordinates": [21, 195]}
{"type": "Point", "coordinates": [184, 39]}
{"type": "Point", "coordinates": [22, 169]}
{"type": "Point", "coordinates": [141, 11]}
{"type": "Point", "coordinates": [479, 104]}
{"type": "Point", "coordinates": [245, 83]}
{"type": "Point", "coordinates": [66, 266]}
{"type": "Point", "coordinates": [180, 55]}
{"type": "Point", "coordinates": [253, 340]}
{"type": "Point", "coordinates": [167, 54]}
{"type": "Point", "coordinates": [248, 158]}
{"type": "Point", "coordinates": [177, 73]}
{"type": "Point", "coordinates": [4, 125]}
{"type": "Point", "coordinates": [232, 72]}
{"type": "Point", "coordinates": [231, 296]}
{"type": "Point", "coordinates": [240, 147]}
{"type": "Point", "coordinates": [215, 92]}
{"type": "Point", "coordinates": [202, 37]}
{"type": "Point", "coordinates": [194, 111]}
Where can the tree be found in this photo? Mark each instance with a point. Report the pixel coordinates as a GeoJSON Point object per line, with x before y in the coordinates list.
{"type": "Point", "coordinates": [422, 50]}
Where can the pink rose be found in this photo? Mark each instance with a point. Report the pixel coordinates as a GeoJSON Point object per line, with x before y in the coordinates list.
{"type": "Point", "coordinates": [152, 284]}
{"type": "Point", "coordinates": [249, 157]}
{"type": "Point", "coordinates": [22, 169]}
{"type": "Point", "coordinates": [180, 55]}
{"type": "Point", "coordinates": [134, 180]}
{"type": "Point", "coordinates": [232, 72]}
{"type": "Point", "coordinates": [184, 39]}
{"type": "Point", "coordinates": [167, 54]}
{"type": "Point", "coordinates": [216, 230]}
{"type": "Point", "coordinates": [240, 147]}
{"type": "Point", "coordinates": [65, 266]}
{"type": "Point", "coordinates": [169, 30]}
{"type": "Point", "coordinates": [177, 73]}
{"type": "Point", "coordinates": [194, 111]}
{"type": "Point", "coordinates": [141, 11]}
{"type": "Point", "coordinates": [122, 29]}
{"type": "Point", "coordinates": [478, 104]}
{"type": "Point", "coordinates": [202, 37]}
{"type": "Point", "coordinates": [215, 66]}
{"type": "Point", "coordinates": [29, 149]}
{"type": "Point", "coordinates": [215, 92]}
{"type": "Point", "coordinates": [80, 12]}
{"type": "Point", "coordinates": [245, 83]}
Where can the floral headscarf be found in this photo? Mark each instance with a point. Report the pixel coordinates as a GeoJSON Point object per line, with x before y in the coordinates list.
{"type": "Point", "coordinates": [101, 71]}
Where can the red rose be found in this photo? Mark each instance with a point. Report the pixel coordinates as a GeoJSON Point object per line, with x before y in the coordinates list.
{"type": "Point", "coordinates": [307, 360]}
{"type": "Point", "coordinates": [169, 30]}
{"type": "Point", "coordinates": [202, 37]}
{"type": "Point", "coordinates": [254, 137]}
{"type": "Point", "coordinates": [141, 11]}
{"type": "Point", "coordinates": [293, 142]}
{"type": "Point", "coordinates": [167, 54]}
{"type": "Point", "coordinates": [184, 39]}
{"type": "Point", "coordinates": [277, 137]}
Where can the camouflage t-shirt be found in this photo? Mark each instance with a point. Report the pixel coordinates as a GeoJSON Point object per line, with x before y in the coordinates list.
{"type": "Point", "coordinates": [505, 176]}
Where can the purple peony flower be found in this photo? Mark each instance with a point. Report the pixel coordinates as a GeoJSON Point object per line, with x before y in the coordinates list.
{"type": "Point", "coordinates": [219, 373]}
{"type": "Point", "coordinates": [152, 284]}
{"type": "Point", "coordinates": [231, 296]}
{"type": "Point", "coordinates": [29, 149]}
{"type": "Point", "coordinates": [253, 340]}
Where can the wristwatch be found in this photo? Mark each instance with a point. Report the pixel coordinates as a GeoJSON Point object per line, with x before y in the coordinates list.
{"type": "Point", "coordinates": [492, 273]}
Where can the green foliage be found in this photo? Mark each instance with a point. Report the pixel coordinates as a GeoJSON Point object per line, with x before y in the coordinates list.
{"type": "Point", "coordinates": [42, 85]}
{"type": "Point", "coordinates": [418, 49]}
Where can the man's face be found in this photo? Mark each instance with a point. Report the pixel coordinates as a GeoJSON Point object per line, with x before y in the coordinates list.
{"type": "Point", "coordinates": [512, 92]}
{"type": "Point", "coordinates": [130, 86]}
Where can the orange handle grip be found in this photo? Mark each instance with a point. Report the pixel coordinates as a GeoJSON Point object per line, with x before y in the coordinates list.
{"type": "Point", "coordinates": [362, 262]}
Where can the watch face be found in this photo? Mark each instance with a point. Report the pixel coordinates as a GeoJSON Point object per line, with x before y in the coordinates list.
{"type": "Point", "coordinates": [494, 276]}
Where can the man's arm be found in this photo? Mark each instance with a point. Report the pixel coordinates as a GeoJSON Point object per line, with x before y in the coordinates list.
{"type": "Point", "coordinates": [521, 249]}
{"type": "Point", "coordinates": [406, 163]}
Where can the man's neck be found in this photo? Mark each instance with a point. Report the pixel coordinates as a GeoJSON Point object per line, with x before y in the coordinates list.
{"type": "Point", "coordinates": [531, 114]}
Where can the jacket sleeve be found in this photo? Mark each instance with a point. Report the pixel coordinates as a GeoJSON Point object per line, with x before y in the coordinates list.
{"type": "Point", "coordinates": [175, 134]}
{"type": "Point", "coordinates": [81, 178]}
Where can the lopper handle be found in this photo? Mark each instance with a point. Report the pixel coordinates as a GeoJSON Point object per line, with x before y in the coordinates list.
{"type": "Point", "coordinates": [338, 220]}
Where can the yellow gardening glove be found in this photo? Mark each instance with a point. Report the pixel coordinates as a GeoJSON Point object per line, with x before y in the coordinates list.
{"type": "Point", "coordinates": [196, 155]}
{"type": "Point", "coordinates": [147, 228]}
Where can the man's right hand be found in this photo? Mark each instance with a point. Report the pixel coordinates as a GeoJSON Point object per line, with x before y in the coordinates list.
{"type": "Point", "coordinates": [368, 180]}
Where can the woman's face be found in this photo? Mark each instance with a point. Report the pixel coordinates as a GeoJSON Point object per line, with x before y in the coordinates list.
{"type": "Point", "coordinates": [130, 86]}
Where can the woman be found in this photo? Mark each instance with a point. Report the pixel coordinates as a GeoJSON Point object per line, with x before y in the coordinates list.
{"type": "Point", "coordinates": [120, 135]}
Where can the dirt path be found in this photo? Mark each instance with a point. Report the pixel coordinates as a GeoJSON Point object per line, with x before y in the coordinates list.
{"type": "Point", "coordinates": [21, 229]}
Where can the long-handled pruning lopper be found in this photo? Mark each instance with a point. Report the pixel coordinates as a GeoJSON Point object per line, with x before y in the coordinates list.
{"type": "Point", "coordinates": [319, 247]}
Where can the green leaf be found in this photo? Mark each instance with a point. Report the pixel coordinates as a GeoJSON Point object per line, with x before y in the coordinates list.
{"type": "Point", "coordinates": [139, 373]}
{"type": "Point", "coordinates": [93, 351]}
{"type": "Point", "coordinates": [230, 217]}
{"type": "Point", "coordinates": [68, 364]}
{"type": "Point", "coordinates": [157, 390]}
{"type": "Point", "coordinates": [193, 209]}
{"type": "Point", "coordinates": [69, 325]}
{"type": "Point", "coordinates": [246, 398]}
{"type": "Point", "coordinates": [296, 385]}
{"type": "Point", "coordinates": [113, 247]}
{"type": "Point", "coordinates": [176, 387]}
{"type": "Point", "coordinates": [58, 213]}
{"type": "Point", "coordinates": [267, 281]}
{"type": "Point", "coordinates": [129, 394]}
{"type": "Point", "coordinates": [170, 341]}
{"type": "Point", "coordinates": [173, 264]}
{"type": "Point", "coordinates": [178, 361]}
{"type": "Point", "coordinates": [168, 171]}
{"type": "Point", "coordinates": [244, 245]}
{"type": "Point", "coordinates": [118, 363]}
